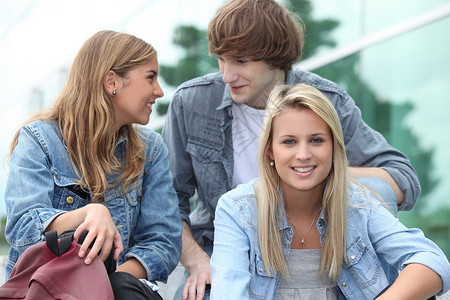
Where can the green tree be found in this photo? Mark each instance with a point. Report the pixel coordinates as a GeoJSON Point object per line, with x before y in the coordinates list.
{"type": "Point", "coordinates": [317, 32]}
{"type": "Point", "coordinates": [195, 62]}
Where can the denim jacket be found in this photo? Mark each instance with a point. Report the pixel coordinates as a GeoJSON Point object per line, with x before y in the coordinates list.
{"type": "Point", "coordinates": [42, 185]}
{"type": "Point", "coordinates": [239, 273]}
{"type": "Point", "coordinates": [199, 137]}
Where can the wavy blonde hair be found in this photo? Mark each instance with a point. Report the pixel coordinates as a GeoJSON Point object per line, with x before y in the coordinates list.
{"type": "Point", "coordinates": [269, 200]}
{"type": "Point", "coordinates": [85, 112]}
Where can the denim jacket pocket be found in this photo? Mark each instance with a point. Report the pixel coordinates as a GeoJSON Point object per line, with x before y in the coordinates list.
{"type": "Point", "coordinates": [134, 194]}
{"type": "Point", "coordinates": [209, 168]}
{"type": "Point", "coordinates": [363, 263]}
{"type": "Point", "coordinates": [65, 198]}
{"type": "Point", "coordinates": [203, 153]}
{"type": "Point", "coordinates": [261, 283]}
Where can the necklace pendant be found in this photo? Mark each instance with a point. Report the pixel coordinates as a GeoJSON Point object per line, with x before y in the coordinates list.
{"type": "Point", "coordinates": [302, 241]}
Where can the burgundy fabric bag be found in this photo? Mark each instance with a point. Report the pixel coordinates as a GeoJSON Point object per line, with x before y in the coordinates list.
{"type": "Point", "coordinates": [53, 270]}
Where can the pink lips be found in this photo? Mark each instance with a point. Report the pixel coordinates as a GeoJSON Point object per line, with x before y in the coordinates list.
{"type": "Point", "coordinates": [236, 88]}
{"type": "Point", "coordinates": [303, 171]}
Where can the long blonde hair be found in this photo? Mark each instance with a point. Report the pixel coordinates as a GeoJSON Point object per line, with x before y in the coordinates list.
{"type": "Point", "coordinates": [268, 196]}
{"type": "Point", "coordinates": [86, 116]}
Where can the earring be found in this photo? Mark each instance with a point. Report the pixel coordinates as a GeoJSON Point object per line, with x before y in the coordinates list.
{"type": "Point", "coordinates": [271, 164]}
{"type": "Point", "coordinates": [114, 93]}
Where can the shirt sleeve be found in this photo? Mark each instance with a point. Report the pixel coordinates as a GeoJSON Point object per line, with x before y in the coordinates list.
{"type": "Point", "coordinates": [158, 229]}
{"type": "Point", "coordinates": [175, 137]}
{"type": "Point", "coordinates": [29, 193]}
{"type": "Point", "coordinates": [401, 246]}
{"type": "Point", "coordinates": [368, 148]}
{"type": "Point", "coordinates": [230, 258]}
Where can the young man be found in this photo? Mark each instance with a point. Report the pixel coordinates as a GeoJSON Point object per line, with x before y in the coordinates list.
{"type": "Point", "coordinates": [214, 121]}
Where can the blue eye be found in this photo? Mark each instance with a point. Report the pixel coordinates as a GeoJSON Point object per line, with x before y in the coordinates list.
{"type": "Point", "coordinates": [316, 140]}
{"type": "Point", "coordinates": [289, 142]}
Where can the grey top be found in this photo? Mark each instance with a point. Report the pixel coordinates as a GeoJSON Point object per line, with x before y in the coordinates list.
{"type": "Point", "coordinates": [304, 281]}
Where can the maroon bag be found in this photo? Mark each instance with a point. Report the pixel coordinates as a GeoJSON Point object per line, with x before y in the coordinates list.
{"type": "Point", "coordinates": [53, 270]}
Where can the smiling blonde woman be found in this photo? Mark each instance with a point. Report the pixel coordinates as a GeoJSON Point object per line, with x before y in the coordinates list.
{"type": "Point", "coordinates": [304, 229]}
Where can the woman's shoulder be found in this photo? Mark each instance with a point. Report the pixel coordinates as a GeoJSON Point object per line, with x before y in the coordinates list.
{"type": "Point", "coordinates": [42, 127]}
{"type": "Point", "coordinates": [150, 137]}
{"type": "Point", "coordinates": [241, 200]}
{"type": "Point", "coordinates": [363, 202]}
{"type": "Point", "coordinates": [359, 195]}
{"type": "Point", "coordinates": [355, 194]}
{"type": "Point", "coordinates": [148, 133]}
{"type": "Point", "coordinates": [44, 131]}
{"type": "Point", "coordinates": [243, 193]}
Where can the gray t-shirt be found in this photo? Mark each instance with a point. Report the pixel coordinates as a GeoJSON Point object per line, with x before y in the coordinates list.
{"type": "Point", "coordinates": [305, 282]}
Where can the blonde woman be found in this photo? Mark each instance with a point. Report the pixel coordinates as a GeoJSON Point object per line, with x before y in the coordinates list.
{"type": "Point", "coordinates": [303, 231]}
{"type": "Point", "coordinates": [84, 165]}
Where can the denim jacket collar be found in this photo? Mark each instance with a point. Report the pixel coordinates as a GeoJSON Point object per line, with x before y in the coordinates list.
{"type": "Point", "coordinates": [122, 138]}
{"type": "Point", "coordinates": [227, 101]}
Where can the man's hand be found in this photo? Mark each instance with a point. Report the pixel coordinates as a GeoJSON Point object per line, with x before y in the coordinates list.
{"type": "Point", "coordinates": [199, 277]}
{"type": "Point", "coordinates": [197, 263]}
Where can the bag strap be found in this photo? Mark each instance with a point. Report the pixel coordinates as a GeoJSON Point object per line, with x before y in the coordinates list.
{"type": "Point", "coordinates": [52, 242]}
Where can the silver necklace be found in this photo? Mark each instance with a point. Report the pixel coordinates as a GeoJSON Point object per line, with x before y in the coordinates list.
{"type": "Point", "coordinates": [295, 229]}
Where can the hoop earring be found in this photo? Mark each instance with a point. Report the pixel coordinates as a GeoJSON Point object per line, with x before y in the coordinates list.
{"type": "Point", "coordinates": [272, 164]}
{"type": "Point", "coordinates": [114, 93]}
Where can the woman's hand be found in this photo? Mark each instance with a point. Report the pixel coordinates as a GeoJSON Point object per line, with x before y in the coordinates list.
{"type": "Point", "coordinates": [99, 224]}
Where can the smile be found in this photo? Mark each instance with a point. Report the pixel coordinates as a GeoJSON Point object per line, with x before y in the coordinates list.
{"type": "Point", "coordinates": [235, 88]}
{"type": "Point", "coordinates": [304, 170]}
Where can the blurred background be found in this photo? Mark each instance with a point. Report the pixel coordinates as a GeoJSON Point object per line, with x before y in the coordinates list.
{"type": "Point", "coordinates": [393, 57]}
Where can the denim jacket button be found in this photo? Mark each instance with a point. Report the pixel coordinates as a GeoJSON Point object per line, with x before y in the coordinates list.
{"type": "Point", "coordinates": [344, 284]}
{"type": "Point", "coordinates": [260, 269]}
{"type": "Point", "coordinates": [69, 200]}
{"type": "Point", "coordinates": [353, 257]}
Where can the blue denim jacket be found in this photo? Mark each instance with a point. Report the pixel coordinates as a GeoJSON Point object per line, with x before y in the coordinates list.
{"type": "Point", "coordinates": [239, 273]}
{"type": "Point", "coordinates": [42, 185]}
{"type": "Point", "coordinates": [199, 137]}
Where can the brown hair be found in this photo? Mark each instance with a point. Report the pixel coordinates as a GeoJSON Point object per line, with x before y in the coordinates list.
{"type": "Point", "coordinates": [258, 30]}
{"type": "Point", "coordinates": [86, 115]}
